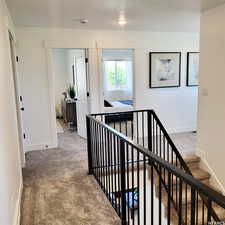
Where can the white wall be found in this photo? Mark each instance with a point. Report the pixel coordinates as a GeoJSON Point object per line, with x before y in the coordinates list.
{"type": "Point", "coordinates": [10, 168]}
{"type": "Point", "coordinates": [177, 107]}
{"type": "Point", "coordinates": [211, 116]}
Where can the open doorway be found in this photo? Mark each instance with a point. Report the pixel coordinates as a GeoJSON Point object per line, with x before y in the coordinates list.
{"type": "Point", "coordinates": [118, 76]}
{"type": "Point", "coordinates": [70, 68]}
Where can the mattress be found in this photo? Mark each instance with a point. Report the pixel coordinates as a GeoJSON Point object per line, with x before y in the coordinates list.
{"type": "Point", "coordinates": [118, 107]}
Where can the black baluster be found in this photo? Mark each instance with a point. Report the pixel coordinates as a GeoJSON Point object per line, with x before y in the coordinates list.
{"type": "Point", "coordinates": [169, 201]}
{"type": "Point", "coordinates": [160, 195]}
{"type": "Point", "coordinates": [138, 184]}
{"type": "Point", "coordinates": [132, 171]}
{"type": "Point", "coordinates": [152, 194]}
{"type": "Point", "coordinates": [128, 178]}
{"type": "Point", "coordinates": [180, 202]}
{"type": "Point", "coordinates": [144, 186]}
{"type": "Point", "coordinates": [115, 172]}
{"type": "Point", "coordinates": [193, 198]}
{"type": "Point", "coordinates": [89, 145]}
{"type": "Point", "coordinates": [149, 116]}
{"type": "Point", "coordinates": [209, 211]}
{"type": "Point", "coordinates": [123, 182]}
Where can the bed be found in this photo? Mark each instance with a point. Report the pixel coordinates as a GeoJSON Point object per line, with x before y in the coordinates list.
{"type": "Point", "coordinates": [118, 106]}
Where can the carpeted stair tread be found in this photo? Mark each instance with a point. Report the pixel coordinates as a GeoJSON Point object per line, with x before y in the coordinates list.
{"type": "Point", "coordinates": [219, 211]}
{"type": "Point", "coordinates": [174, 219]}
{"type": "Point", "coordinates": [186, 197]}
{"type": "Point", "coordinates": [215, 188]}
{"type": "Point", "coordinates": [186, 194]}
{"type": "Point", "coordinates": [200, 174]}
{"type": "Point", "coordinates": [191, 160]}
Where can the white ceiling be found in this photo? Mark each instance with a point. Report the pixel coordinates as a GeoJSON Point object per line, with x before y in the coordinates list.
{"type": "Point", "coordinates": [158, 15]}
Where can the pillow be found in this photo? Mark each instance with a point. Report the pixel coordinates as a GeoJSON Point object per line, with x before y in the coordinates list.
{"type": "Point", "coordinates": [107, 104]}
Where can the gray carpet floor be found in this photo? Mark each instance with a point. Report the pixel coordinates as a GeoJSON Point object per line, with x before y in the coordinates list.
{"type": "Point", "coordinates": [58, 191]}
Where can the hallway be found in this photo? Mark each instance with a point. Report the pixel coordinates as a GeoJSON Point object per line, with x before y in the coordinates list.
{"type": "Point", "coordinates": [58, 191]}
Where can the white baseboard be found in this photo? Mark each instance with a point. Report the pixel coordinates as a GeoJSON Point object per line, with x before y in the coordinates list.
{"type": "Point", "coordinates": [214, 180]}
{"type": "Point", "coordinates": [36, 147]}
{"type": "Point", "coordinates": [181, 129]}
{"type": "Point", "coordinates": [17, 215]}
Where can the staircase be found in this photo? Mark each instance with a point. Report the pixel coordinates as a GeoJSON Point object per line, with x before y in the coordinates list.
{"type": "Point", "coordinates": [193, 163]}
{"type": "Point", "coordinates": [143, 174]}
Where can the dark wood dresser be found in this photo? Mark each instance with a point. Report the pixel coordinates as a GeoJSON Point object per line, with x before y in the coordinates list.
{"type": "Point", "coordinates": [69, 111]}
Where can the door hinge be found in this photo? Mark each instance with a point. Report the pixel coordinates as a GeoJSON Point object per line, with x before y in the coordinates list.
{"type": "Point", "coordinates": [17, 58]}
{"type": "Point", "coordinates": [86, 60]}
{"type": "Point", "coordinates": [24, 136]}
{"type": "Point", "coordinates": [21, 98]}
{"type": "Point", "coordinates": [88, 94]}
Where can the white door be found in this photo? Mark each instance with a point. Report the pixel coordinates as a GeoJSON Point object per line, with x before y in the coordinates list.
{"type": "Point", "coordinates": [82, 103]}
{"type": "Point", "coordinates": [18, 98]}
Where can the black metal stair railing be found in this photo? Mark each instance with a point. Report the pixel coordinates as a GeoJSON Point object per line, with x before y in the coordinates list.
{"type": "Point", "coordinates": [143, 174]}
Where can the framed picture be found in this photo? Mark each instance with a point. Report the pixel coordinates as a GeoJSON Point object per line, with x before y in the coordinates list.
{"type": "Point", "coordinates": [192, 68]}
{"type": "Point", "coordinates": [165, 68]}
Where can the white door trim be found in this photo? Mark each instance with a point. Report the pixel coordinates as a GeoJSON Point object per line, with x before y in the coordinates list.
{"type": "Point", "coordinates": [51, 84]}
{"type": "Point", "coordinates": [101, 78]}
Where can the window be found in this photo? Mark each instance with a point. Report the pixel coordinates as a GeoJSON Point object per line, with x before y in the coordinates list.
{"type": "Point", "coordinates": [116, 74]}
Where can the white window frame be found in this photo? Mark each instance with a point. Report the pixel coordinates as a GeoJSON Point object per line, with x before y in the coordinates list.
{"type": "Point", "coordinates": [106, 81]}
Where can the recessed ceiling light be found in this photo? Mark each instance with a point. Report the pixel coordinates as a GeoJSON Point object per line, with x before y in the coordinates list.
{"type": "Point", "coordinates": [122, 21]}
{"type": "Point", "coordinates": [83, 21]}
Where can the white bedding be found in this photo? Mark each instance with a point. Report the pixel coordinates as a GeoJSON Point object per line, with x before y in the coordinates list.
{"type": "Point", "coordinates": [118, 107]}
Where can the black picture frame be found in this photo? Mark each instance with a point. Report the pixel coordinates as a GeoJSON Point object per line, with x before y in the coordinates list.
{"type": "Point", "coordinates": [188, 72]}
{"type": "Point", "coordinates": [150, 70]}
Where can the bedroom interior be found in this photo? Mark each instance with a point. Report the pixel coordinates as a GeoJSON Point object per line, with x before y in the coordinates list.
{"type": "Point", "coordinates": [118, 76]}
{"type": "Point", "coordinates": [69, 72]}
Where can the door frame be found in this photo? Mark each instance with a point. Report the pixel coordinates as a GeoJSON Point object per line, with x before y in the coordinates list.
{"type": "Point", "coordinates": [101, 73]}
{"type": "Point", "coordinates": [18, 96]}
{"type": "Point", "coordinates": [51, 84]}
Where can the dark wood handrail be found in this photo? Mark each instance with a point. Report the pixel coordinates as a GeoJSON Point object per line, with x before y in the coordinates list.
{"type": "Point", "coordinates": [186, 177]}
{"type": "Point", "coordinates": [174, 148]}
{"type": "Point", "coordinates": [182, 162]}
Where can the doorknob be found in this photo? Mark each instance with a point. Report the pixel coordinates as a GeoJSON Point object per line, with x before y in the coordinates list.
{"type": "Point", "coordinates": [22, 109]}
